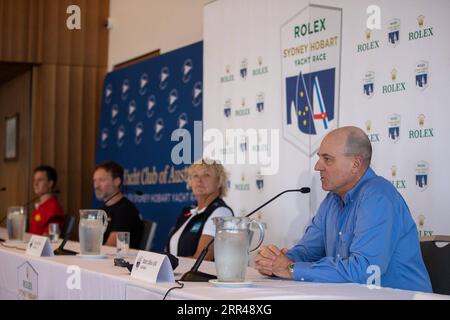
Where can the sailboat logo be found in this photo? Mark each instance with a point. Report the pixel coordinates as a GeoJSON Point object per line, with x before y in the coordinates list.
{"type": "Point", "coordinates": [310, 104]}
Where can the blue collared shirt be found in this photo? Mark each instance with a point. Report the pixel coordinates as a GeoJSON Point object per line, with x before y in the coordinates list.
{"type": "Point", "coordinates": [372, 230]}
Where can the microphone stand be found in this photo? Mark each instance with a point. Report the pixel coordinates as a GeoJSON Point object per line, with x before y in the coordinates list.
{"type": "Point", "coordinates": [30, 201]}
{"type": "Point", "coordinates": [194, 275]}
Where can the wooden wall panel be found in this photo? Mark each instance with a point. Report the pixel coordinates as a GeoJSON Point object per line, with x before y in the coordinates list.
{"type": "Point", "coordinates": [65, 116]}
{"type": "Point", "coordinates": [15, 175]}
{"type": "Point", "coordinates": [35, 31]}
{"type": "Point", "coordinates": [67, 76]}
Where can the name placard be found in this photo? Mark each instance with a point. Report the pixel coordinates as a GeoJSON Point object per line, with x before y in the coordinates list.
{"type": "Point", "coordinates": [39, 246]}
{"type": "Point", "coordinates": [152, 267]}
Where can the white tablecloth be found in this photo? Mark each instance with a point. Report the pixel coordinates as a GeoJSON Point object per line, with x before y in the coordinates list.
{"type": "Point", "coordinates": [48, 277]}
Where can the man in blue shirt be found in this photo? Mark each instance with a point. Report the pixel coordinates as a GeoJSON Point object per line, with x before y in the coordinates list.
{"type": "Point", "coordinates": [362, 232]}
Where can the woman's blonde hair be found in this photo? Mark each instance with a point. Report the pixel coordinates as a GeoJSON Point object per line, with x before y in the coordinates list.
{"type": "Point", "coordinates": [218, 169]}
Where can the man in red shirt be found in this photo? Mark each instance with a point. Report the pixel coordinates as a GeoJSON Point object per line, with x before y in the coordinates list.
{"type": "Point", "coordinates": [48, 210]}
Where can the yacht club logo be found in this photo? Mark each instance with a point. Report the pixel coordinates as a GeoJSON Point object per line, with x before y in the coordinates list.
{"type": "Point", "coordinates": [310, 75]}
{"type": "Point", "coordinates": [114, 114]}
{"type": "Point", "coordinates": [259, 181]}
{"type": "Point", "coordinates": [108, 93]}
{"type": "Point", "coordinates": [197, 94]}
{"type": "Point", "coordinates": [125, 89]}
{"type": "Point", "coordinates": [120, 136]}
{"type": "Point", "coordinates": [422, 171]}
{"type": "Point", "coordinates": [151, 103]}
{"type": "Point", "coordinates": [368, 84]}
{"type": "Point", "coordinates": [394, 127]}
{"type": "Point", "coordinates": [138, 132]}
{"type": "Point", "coordinates": [260, 102]}
{"type": "Point", "coordinates": [164, 78]}
{"type": "Point", "coordinates": [104, 138]}
{"type": "Point", "coordinates": [182, 120]}
{"type": "Point", "coordinates": [173, 97]}
{"type": "Point", "coordinates": [421, 72]}
{"type": "Point", "coordinates": [394, 32]}
{"type": "Point", "coordinates": [186, 70]}
{"type": "Point", "coordinates": [158, 129]}
{"type": "Point", "coordinates": [227, 108]}
{"type": "Point", "coordinates": [243, 69]}
{"type": "Point", "coordinates": [131, 110]}
{"type": "Point", "coordinates": [143, 81]}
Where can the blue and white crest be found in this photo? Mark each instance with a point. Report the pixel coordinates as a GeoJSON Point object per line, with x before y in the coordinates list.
{"type": "Point", "coordinates": [227, 108]}
{"type": "Point", "coordinates": [164, 78]}
{"type": "Point", "coordinates": [151, 103]}
{"type": "Point", "coordinates": [114, 114]}
{"type": "Point", "coordinates": [243, 144]}
{"type": "Point", "coordinates": [131, 110]}
{"type": "Point", "coordinates": [138, 133]}
{"type": "Point", "coordinates": [422, 75]}
{"type": "Point", "coordinates": [394, 127]}
{"type": "Point", "coordinates": [104, 138]}
{"type": "Point", "coordinates": [182, 120]}
{"type": "Point", "coordinates": [197, 93]}
{"type": "Point", "coordinates": [108, 93]}
{"type": "Point", "coordinates": [368, 84]}
{"type": "Point", "coordinates": [143, 82]}
{"type": "Point", "coordinates": [120, 135]}
{"type": "Point", "coordinates": [172, 99]}
{"type": "Point", "coordinates": [310, 88]}
{"type": "Point", "coordinates": [259, 181]}
{"type": "Point", "coordinates": [260, 102]}
{"type": "Point", "coordinates": [186, 70]}
{"type": "Point", "coordinates": [125, 89]}
{"type": "Point", "coordinates": [422, 172]}
{"type": "Point", "coordinates": [394, 32]}
{"type": "Point", "coordinates": [158, 129]}
{"type": "Point", "coordinates": [243, 69]}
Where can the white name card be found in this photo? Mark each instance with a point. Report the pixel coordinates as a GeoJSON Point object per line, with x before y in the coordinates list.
{"type": "Point", "coordinates": [39, 246]}
{"type": "Point", "coordinates": [152, 267]}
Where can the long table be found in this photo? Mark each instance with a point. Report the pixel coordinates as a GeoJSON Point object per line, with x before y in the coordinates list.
{"type": "Point", "coordinates": [29, 277]}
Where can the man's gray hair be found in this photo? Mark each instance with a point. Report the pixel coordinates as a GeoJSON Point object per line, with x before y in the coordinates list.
{"type": "Point", "coordinates": [359, 144]}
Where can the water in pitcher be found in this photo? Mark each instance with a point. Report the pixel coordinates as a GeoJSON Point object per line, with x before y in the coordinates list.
{"type": "Point", "coordinates": [232, 261]}
{"type": "Point", "coordinates": [91, 236]}
{"type": "Point", "coordinates": [16, 226]}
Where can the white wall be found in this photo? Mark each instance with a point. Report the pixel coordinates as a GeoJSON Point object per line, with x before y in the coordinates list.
{"type": "Point", "coordinates": [141, 26]}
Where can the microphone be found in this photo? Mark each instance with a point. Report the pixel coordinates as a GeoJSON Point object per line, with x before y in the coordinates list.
{"type": "Point", "coordinates": [30, 201]}
{"type": "Point", "coordinates": [60, 250]}
{"type": "Point", "coordinates": [194, 275]}
{"type": "Point", "coordinates": [113, 195]}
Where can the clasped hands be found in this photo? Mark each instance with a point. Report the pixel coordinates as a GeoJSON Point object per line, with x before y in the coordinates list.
{"type": "Point", "coordinates": [273, 261]}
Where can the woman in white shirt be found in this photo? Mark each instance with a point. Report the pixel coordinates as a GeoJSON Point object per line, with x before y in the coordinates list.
{"type": "Point", "coordinates": [194, 229]}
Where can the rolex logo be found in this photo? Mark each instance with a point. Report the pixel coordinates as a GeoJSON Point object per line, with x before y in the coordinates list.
{"type": "Point", "coordinates": [420, 20]}
{"type": "Point", "coordinates": [393, 74]}
{"type": "Point", "coordinates": [394, 171]}
{"type": "Point", "coordinates": [421, 120]}
{"type": "Point", "coordinates": [260, 61]}
{"type": "Point", "coordinates": [421, 220]}
{"type": "Point", "coordinates": [368, 126]}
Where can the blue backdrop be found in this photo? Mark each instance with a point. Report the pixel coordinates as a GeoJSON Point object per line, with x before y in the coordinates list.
{"type": "Point", "coordinates": [141, 106]}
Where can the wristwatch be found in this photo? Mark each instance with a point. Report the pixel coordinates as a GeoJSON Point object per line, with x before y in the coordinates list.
{"type": "Point", "coordinates": [291, 269]}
